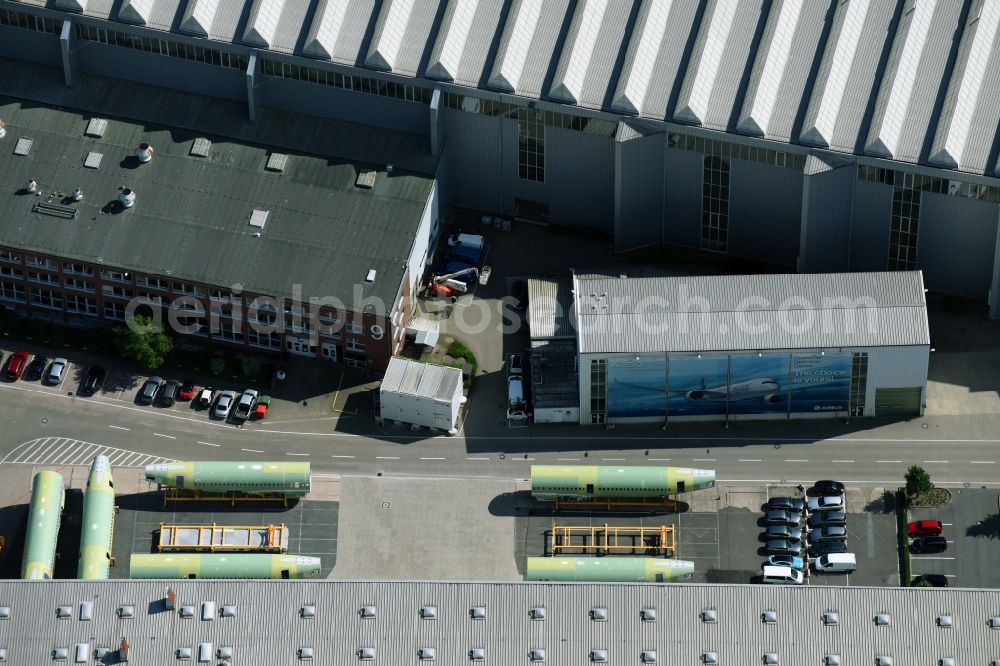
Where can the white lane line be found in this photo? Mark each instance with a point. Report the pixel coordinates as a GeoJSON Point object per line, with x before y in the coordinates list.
{"type": "Point", "coordinates": [662, 459]}
{"type": "Point", "coordinates": [982, 462]}
{"type": "Point", "coordinates": [841, 461]}
{"type": "Point", "coordinates": [433, 458]}
{"type": "Point", "coordinates": [795, 460]}
{"type": "Point", "coordinates": [940, 462]}
{"type": "Point", "coordinates": [888, 461]}
{"type": "Point", "coordinates": [252, 450]}
{"type": "Point", "coordinates": [295, 454]}
{"type": "Point", "coordinates": [919, 557]}
{"type": "Point", "coordinates": [209, 444]}
{"type": "Point", "coordinates": [341, 456]}
{"type": "Point", "coordinates": [165, 436]}
{"type": "Point", "coordinates": [477, 458]}
{"type": "Point", "coordinates": [751, 460]}
{"type": "Point", "coordinates": [119, 427]}
{"type": "Point", "coordinates": [614, 459]}
{"type": "Point", "coordinates": [21, 388]}
{"type": "Point", "coordinates": [84, 454]}
{"type": "Point", "coordinates": [703, 459]}
{"type": "Point", "coordinates": [327, 476]}
{"type": "Point", "coordinates": [564, 459]}
{"type": "Point", "coordinates": [386, 457]}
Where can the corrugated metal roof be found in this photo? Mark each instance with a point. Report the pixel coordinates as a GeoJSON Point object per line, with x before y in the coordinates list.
{"type": "Point", "coordinates": [464, 40]}
{"type": "Point", "coordinates": [653, 59]}
{"type": "Point", "coordinates": [528, 46]}
{"type": "Point", "coordinates": [750, 312]}
{"type": "Point", "coordinates": [276, 24]}
{"type": "Point", "coordinates": [94, 8]}
{"type": "Point", "coordinates": [550, 302]}
{"type": "Point", "coordinates": [214, 19]}
{"type": "Point", "coordinates": [971, 113]}
{"type": "Point", "coordinates": [843, 87]}
{"type": "Point", "coordinates": [421, 379]}
{"type": "Point", "coordinates": [159, 14]}
{"type": "Point", "coordinates": [337, 30]}
{"type": "Point", "coordinates": [401, 32]}
{"type": "Point", "coordinates": [590, 52]}
{"type": "Point", "coordinates": [267, 626]}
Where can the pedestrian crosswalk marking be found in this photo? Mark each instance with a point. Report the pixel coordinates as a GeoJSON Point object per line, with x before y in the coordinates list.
{"type": "Point", "coordinates": [67, 451]}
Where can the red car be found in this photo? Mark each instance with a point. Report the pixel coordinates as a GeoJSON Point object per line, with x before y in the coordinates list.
{"type": "Point", "coordinates": [16, 365]}
{"type": "Point", "coordinates": [922, 528]}
{"type": "Point", "coordinates": [187, 390]}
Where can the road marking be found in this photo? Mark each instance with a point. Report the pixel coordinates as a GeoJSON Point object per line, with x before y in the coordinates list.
{"type": "Point", "coordinates": [433, 458]}
{"type": "Point", "coordinates": [209, 444]}
{"type": "Point", "coordinates": [703, 459]}
{"type": "Point", "coordinates": [888, 461]}
{"type": "Point", "coordinates": [62, 450]}
{"type": "Point", "coordinates": [477, 458]}
{"type": "Point", "coordinates": [841, 461]}
{"type": "Point", "coordinates": [341, 456]}
{"type": "Point", "coordinates": [296, 454]}
{"type": "Point", "coordinates": [119, 427]}
{"type": "Point", "coordinates": [21, 388]}
{"type": "Point", "coordinates": [663, 459]}
{"type": "Point", "coordinates": [795, 460]}
{"type": "Point", "coordinates": [614, 459]}
{"type": "Point", "coordinates": [162, 435]}
{"type": "Point", "coordinates": [751, 460]}
{"type": "Point", "coordinates": [925, 557]}
{"type": "Point", "coordinates": [251, 450]}
{"type": "Point", "coordinates": [941, 462]}
{"type": "Point", "coordinates": [386, 457]}
{"type": "Point", "coordinates": [982, 462]}
{"type": "Point", "coordinates": [564, 459]}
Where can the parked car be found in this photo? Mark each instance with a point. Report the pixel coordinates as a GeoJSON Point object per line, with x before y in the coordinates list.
{"type": "Point", "coordinates": [934, 580]}
{"type": "Point", "coordinates": [246, 403]}
{"type": "Point", "coordinates": [515, 365]}
{"type": "Point", "coordinates": [149, 391]}
{"type": "Point", "coordinates": [93, 380]}
{"type": "Point", "coordinates": [821, 518]}
{"type": "Point", "coordinates": [787, 504]}
{"type": "Point", "coordinates": [783, 532]}
{"type": "Point", "coordinates": [781, 575]}
{"type": "Point", "coordinates": [260, 411]}
{"type": "Point", "coordinates": [929, 544]}
{"type": "Point", "coordinates": [787, 561]}
{"type": "Point", "coordinates": [36, 368]}
{"type": "Point", "coordinates": [828, 533]}
{"type": "Point", "coordinates": [826, 503]}
{"type": "Point", "coordinates": [826, 547]}
{"type": "Point", "coordinates": [205, 398]}
{"type": "Point", "coordinates": [921, 528]}
{"type": "Point", "coordinates": [828, 487]}
{"type": "Point", "coordinates": [783, 547]}
{"type": "Point", "coordinates": [16, 365]}
{"type": "Point", "coordinates": [779, 517]}
{"type": "Point", "coordinates": [57, 371]}
{"type": "Point", "coordinates": [168, 396]}
{"type": "Point", "coordinates": [224, 404]}
{"type": "Point", "coordinates": [187, 390]}
{"type": "Point", "coordinates": [836, 563]}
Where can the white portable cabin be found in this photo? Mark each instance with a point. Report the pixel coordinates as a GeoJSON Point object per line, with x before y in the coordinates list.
{"type": "Point", "coordinates": [421, 394]}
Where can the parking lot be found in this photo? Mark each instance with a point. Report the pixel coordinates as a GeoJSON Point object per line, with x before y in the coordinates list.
{"type": "Point", "coordinates": [972, 528]}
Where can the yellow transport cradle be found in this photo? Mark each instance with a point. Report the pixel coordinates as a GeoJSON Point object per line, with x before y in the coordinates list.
{"type": "Point", "coordinates": [658, 540]}
{"type": "Point", "coordinates": [223, 538]}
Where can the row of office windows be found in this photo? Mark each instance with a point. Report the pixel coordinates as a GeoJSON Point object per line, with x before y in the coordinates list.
{"type": "Point", "coordinates": [738, 151]}
{"type": "Point", "coordinates": [30, 22]}
{"type": "Point", "coordinates": [934, 184]}
{"type": "Point", "coordinates": [485, 107]}
{"type": "Point", "coordinates": [361, 84]}
{"type": "Point", "coordinates": [165, 47]}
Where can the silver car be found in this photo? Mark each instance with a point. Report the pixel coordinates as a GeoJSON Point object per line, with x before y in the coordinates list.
{"type": "Point", "coordinates": [827, 503]}
{"type": "Point", "coordinates": [224, 404]}
{"type": "Point", "coordinates": [56, 371]}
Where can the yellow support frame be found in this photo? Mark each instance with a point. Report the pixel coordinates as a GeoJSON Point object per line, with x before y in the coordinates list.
{"type": "Point", "coordinates": [606, 539]}
{"type": "Point", "coordinates": [177, 495]}
{"type": "Point", "coordinates": [273, 543]}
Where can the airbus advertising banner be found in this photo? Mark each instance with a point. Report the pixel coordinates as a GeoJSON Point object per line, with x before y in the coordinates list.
{"type": "Point", "coordinates": [733, 384]}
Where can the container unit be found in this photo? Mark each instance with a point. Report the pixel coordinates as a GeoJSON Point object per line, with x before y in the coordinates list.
{"type": "Point", "coordinates": [222, 565]}
{"type": "Point", "coordinates": [48, 497]}
{"type": "Point", "coordinates": [290, 479]}
{"type": "Point", "coordinates": [422, 394]}
{"type": "Point", "coordinates": [98, 525]}
{"type": "Point", "coordinates": [552, 482]}
{"type": "Point", "coordinates": [608, 569]}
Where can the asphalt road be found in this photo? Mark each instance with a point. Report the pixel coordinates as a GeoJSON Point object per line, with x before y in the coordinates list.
{"type": "Point", "coordinates": [45, 425]}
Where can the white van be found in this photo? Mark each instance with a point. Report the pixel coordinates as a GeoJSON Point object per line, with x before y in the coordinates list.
{"type": "Point", "coordinates": [836, 563]}
{"type": "Point", "coordinates": [515, 392]}
{"type": "Point", "coordinates": [782, 575]}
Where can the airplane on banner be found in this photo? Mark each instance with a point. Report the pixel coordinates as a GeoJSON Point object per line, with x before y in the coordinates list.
{"type": "Point", "coordinates": [764, 388]}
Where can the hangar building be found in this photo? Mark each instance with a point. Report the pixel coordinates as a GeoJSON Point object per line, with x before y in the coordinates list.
{"type": "Point", "coordinates": [657, 350]}
{"type": "Point", "coordinates": [818, 136]}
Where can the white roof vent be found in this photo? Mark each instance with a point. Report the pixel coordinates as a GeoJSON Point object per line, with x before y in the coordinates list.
{"type": "Point", "coordinates": [64, 612]}
{"type": "Point", "coordinates": [598, 656]}
{"type": "Point", "coordinates": [307, 612]}
{"type": "Point", "coordinates": [994, 621]}
{"type": "Point", "coordinates": [366, 653]}
{"type": "Point", "coordinates": [770, 658]}
{"type": "Point", "coordinates": [93, 160]}
{"type": "Point", "coordinates": [371, 275]}
{"type": "Point", "coordinates": [831, 617]}
{"type": "Point", "coordinates": [3, 654]}
{"type": "Point", "coordinates": [477, 654]}
{"type": "Point", "coordinates": [648, 656]}
{"type": "Point", "coordinates": [883, 620]}
{"type": "Point", "coordinates": [367, 612]}
{"type": "Point", "coordinates": [478, 613]}
{"type": "Point", "coordinates": [258, 218]}
{"type": "Point", "coordinates": [4, 612]}
{"type": "Point", "coordinates": [276, 162]}
{"type": "Point", "coordinates": [599, 614]}
{"type": "Point", "coordinates": [883, 660]}
{"type": "Point", "coordinates": [710, 658]}
{"type": "Point", "coordinates": [144, 152]}
{"type": "Point", "coordinates": [389, 168]}
{"type": "Point", "coordinates": [832, 660]}
{"type": "Point", "coordinates": [429, 612]}
{"type": "Point", "coordinates": [60, 654]}
{"type": "Point", "coordinates": [126, 612]}
{"type": "Point", "coordinates": [224, 652]}
{"type": "Point", "coordinates": [207, 611]}
{"type": "Point", "coordinates": [365, 179]}
{"type": "Point", "coordinates": [710, 615]}
{"type": "Point", "coordinates": [23, 146]}
{"type": "Point", "coordinates": [228, 611]}
{"type": "Point", "coordinates": [944, 621]}
{"type": "Point", "coordinates": [426, 654]}
{"type": "Point", "coordinates": [537, 654]}
{"type": "Point", "coordinates": [126, 197]}
{"type": "Point", "coordinates": [537, 613]}
{"type": "Point", "coordinates": [769, 617]}
{"type": "Point", "coordinates": [183, 653]}
{"type": "Point", "coordinates": [200, 147]}
{"type": "Point", "coordinates": [86, 611]}
{"type": "Point", "coordinates": [946, 661]}
{"type": "Point", "coordinates": [81, 653]}
{"type": "Point", "coordinates": [304, 653]}
{"type": "Point", "coordinates": [186, 612]}
{"type": "Point", "coordinates": [648, 615]}
{"type": "Point", "coordinates": [204, 653]}
{"type": "Point", "coordinates": [96, 127]}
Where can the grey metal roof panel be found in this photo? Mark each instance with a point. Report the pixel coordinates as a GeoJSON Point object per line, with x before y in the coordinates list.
{"type": "Point", "coordinates": [421, 379]}
{"type": "Point", "coordinates": [214, 19]}
{"type": "Point", "coordinates": [190, 220]}
{"type": "Point", "coordinates": [158, 14]}
{"type": "Point", "coordinates": [968, 123]}
{"type": "Point", "coordinates": [529, 41]}
{"type": "Point", "coordinates": [463, 41]}
{"type": "Point", "coordinates": [338, 29]}
{"type": "Point", "coordinates": [784, 59]}
{"type": "Point", "coordinates": [847, 74]}
{"type": "Point", "coordinates": [549, 307]}
{"type": "Point", "coordinates": [720, 55]}
{"type": "Point", "coordinates": [94, 8]}
{"type": "Point", "coordinates": [567, 634]}
{"type": "Point", "coordinates": [755, 312]}
{"type": "Point", "coordinates": [652, 64]}
{"type": "Point", "coordinates": [590, 51]}
{"type": "Point", "coordinates": [276, 24]}
{"type": "Point", "coordinates": [916, 71]}
{"type": "Point", "coordinates": [401, 34]}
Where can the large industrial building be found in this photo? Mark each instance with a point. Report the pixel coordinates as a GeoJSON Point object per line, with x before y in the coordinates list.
{"type": "Point", "coordinates": [261, 623]}
{"type": "Point", "coordinates": [821, 136]}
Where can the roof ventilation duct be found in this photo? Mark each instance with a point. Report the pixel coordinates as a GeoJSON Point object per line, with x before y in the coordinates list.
{"type": "Point", "coordinates": [144, 152]}
{"type": "Point", "coordinates": [77, 195]}
{"type": "Point", "coordinates": [126, 197]}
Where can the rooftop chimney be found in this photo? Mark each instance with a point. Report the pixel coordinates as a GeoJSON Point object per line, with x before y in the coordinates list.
{"type": "Point", "coordinates": [144, 152]}
{"type": "Point", "coordinates": [31, 186]}
{"type": "Point", "coordinates": [77, 195]}
{"type": "Point", "coordinates": [126, 197]}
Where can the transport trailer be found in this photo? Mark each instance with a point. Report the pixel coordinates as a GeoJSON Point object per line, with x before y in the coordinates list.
{"type": "Point", "coordinates": [98, 525]}
{"type": "Point", "coordinates": [48, 498]}
{"type": "Point", "coordinates": [223, 538]}
{"type": "Point", "coordinates": [222, 565]}
{"type": "Point", "coordinates": [608, 569]}
{"type": "Point", "coordinates": [288, 479]}
{"type": "Point", "coordinates": [584, 482]}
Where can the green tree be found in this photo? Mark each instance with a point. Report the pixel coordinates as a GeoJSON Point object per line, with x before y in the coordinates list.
{"type": "Point", "coordinates": [143, 341]}
{"type": "Point", "coordinates": [918, 481]}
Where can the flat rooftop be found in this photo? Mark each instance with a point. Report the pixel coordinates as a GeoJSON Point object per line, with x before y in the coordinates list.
{"type": "Point", "coordinates": [191, 219]}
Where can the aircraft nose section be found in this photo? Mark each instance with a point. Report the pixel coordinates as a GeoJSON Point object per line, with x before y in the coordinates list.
{"type": "Point", "coordinates": [703, 478]}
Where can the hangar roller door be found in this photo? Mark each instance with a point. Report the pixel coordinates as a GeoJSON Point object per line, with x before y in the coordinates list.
{"type": "Point", "coordinates": [897, 402]}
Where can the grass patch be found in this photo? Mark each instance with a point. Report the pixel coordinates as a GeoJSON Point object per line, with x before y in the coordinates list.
{"type": "Point", "coordinates": [904, 542]}
{"type": "Point", "coordinates": [458, 350]}
{"type": "Point", "coordinates": [933, 497]}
